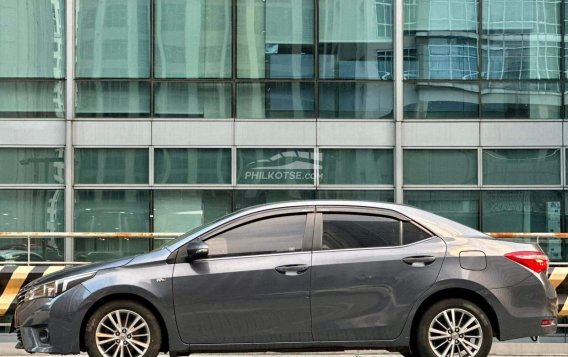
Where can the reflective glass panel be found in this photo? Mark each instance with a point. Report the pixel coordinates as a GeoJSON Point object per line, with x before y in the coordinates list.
{"type": "Point", "coordinates": [37, 99]}
{"type": "Point", "coordinates": [348, 100]}
{"type": "Point", "coordinates": [247, 198]}
{"type": "Point", "coordinates": [355, 39]}
{"type": "Point", "coordinates": [356, 167]}
{"type": "Point", "coordinates": [521, 167]}
{"type": "Point", "coordinates": [439, 100]}
{"type": "Point", "coordinates": [32, 38]}
{"type": "Point", "coordinates": [275, 100]}
{"type": "Point", "coordinates": [460, 206]}
{"type": "Point", "coordinates": [111, 211]}
{"type": "Point", "coordinates": [112, 165]}
{"type": "Point", "coordinates": [521, 100]}
{"type": "Point", "coordinates": [521, 211]}
{"type": "Point", "coordinates": [192, 39]}
{"type": "Point", "coordinates": [275, 39]}
{"type": "Point", "coordinates": [364, 195]}
{"type": "Point", "coordinates": [182, 210]}
{"type": "Point", "coordinates": [32, 211]}
{"type": "Point", "coordinates": [440, 167]}
{"type": "Point", "coordinates": [521, 39]}
{"type": "Point", "coordinates": [113, 39]}
{"type": "Point", "coordinates": [441, 36]}
{"type": "Point", "coordinates": [192, 100]}
{"type": "Point", "coordinates": [192, 166]}
{"type": "Point", "coordinates": [32, 165]}
{"type": "Point", "coordinates": [275, 166]}
{"type": "Point", "coordinates": [113, 99]}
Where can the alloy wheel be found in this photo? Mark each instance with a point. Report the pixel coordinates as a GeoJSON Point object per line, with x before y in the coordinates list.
{"type": "Point", "coordinates": [122, 333]}
{"type": "Point", "coordinates": [455, 332]}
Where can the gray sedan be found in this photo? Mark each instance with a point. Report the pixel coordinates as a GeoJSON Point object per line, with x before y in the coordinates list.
{"type": "Point", "coordinates": [323, 275]}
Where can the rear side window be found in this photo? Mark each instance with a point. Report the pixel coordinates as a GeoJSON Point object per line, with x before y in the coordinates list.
{"type": "Point", "coordinates": [352, 231]}
{"type": "Point", "coordinates": [270, 235]}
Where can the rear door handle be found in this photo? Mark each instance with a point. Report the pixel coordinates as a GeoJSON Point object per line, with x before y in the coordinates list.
{"type": "Point", "coordinates": [293, 269]}
{"type": "Point", "coordinates": [419, 260]}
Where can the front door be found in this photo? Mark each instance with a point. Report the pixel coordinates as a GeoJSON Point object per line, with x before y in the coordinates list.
{"type": "Point", "coordinates": [367, 271]}
{"type": "Point", "coordinates": [252, 288]}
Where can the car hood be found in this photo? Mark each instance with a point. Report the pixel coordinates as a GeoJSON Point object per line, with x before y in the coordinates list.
{"type": "Point", "coordinates": [94, 267]}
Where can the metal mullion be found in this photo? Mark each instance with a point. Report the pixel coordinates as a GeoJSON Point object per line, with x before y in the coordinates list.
{"type": "Point", "coordinates": [234, 61]}
{"type": "Point", "coordinates": [152, 42]}
{"type": "Point", "coordinates": [479, 59]}
{"type": "Point", "coordinates": [316, 64]}
{"type": "Point", "coordinates": [69, 160]}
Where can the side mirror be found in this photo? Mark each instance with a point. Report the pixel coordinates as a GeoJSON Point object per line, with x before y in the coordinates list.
{"type": "Point", "coordinates": [196, 249]}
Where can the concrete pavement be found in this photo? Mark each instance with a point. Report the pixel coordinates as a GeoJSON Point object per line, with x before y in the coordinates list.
{"type": "Point", "coordinates": [499, 349]}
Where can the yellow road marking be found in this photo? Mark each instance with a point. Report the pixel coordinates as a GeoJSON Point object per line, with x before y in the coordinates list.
{"type": "Point", "coordinates": [558, 276]}
{"type": "Point", "coordinates": [12, 288]}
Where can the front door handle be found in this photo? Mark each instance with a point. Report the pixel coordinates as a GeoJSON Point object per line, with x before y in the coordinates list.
{"type": "Point", "coordinates": [419, 260]}
{"type": "Point", "coordinates": [293, 269]}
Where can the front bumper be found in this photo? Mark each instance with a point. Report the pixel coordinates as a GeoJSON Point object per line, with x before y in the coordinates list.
{"type": "Point", "coordinates": [51, 325]}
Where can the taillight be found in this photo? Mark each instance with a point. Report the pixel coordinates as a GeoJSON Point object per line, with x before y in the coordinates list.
{"type": "Point", "coordinates": [535, 261]}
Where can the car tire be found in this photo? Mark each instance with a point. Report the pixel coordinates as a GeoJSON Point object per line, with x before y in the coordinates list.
{"type": "Point", "coordinates": [124, 325]}
{"type": "Point", "coordinates": [471, 330]}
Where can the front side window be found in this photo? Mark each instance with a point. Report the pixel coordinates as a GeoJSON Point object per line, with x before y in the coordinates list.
{"type": "Point", "coordinates": [280, 234]}
{"type": "Point", "coordinates": [353, 231]}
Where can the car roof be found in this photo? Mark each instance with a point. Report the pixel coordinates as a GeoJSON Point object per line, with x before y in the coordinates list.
{"type": "Point", "coordinates": [440, 226]}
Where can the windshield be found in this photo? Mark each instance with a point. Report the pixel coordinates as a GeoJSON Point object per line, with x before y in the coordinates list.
{"type": "Point", "coordinates": [192, 231]}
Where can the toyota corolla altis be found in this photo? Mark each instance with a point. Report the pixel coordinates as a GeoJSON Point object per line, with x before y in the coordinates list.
{"type": "Point", "coordinates": [299, 275]}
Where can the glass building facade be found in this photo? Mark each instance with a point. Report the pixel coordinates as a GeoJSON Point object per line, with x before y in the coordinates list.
{"type": "Point", "coordinates": [161, 115]}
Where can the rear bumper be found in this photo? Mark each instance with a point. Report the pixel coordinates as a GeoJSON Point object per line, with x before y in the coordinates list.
{"type": "Point", "coordinates": [520, 309]}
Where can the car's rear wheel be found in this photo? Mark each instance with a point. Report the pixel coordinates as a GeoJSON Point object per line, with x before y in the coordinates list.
{"type": "Point", "coordinates": [123, 329]}
{"type": "Point", "coordinates": [452, 328]}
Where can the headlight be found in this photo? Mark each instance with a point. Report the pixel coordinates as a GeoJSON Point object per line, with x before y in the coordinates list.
{"type": "Point", "coordinates": [54, 288]}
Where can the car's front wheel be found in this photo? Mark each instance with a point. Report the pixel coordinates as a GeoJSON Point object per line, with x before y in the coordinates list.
{"type": "Point", "coordinates": [123, 329]}
{"type": "Point", "coordinates": [453, 327]}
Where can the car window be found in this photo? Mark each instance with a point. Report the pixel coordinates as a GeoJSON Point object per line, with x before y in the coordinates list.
{"type": "Point", "coordinates": [350, 231]}
{"type": "Point", "coordinates": [270, 235]}
{"type": "Point", "coordinates": [413, 234]}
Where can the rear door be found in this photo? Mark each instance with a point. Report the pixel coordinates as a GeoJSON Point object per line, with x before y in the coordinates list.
{"type": "Point", "coordinates": [368, 268]}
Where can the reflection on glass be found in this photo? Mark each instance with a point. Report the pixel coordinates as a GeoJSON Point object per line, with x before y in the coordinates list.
{"type": "Point", "coordinates": [356, 167]}
{"type": "Point", "coordinates": [247, 198]}
{"type": "Point", "coordinates": [113, 39]}
{"type": "Point", "coordinates": [275, 39]}
{"type": "Point", "coordinates": [37, 99]}
{"type": "Point", "coordinates": [350, 100]}
{"type": "Point", "coordinates": [440, 167]}
{"type": "Point", "coordinates": [100, 166]}
{"type": "Point", "coordinates": [111, 211]}
{"type": "Point", "coordinates": [192, 100]}
{"type": "Point", "coordinates": [192, 166]}
{"type": "Point", "coordinates": [182, 210]}
{"type": "Point", "coordinates": [441, 39]}
{"type": "Point", "coordinates": [113, 99]}
{"type": "Point", "coordinates": [521, 39]}
{"type": "Point", "coordinates": [439, 100]}
{"type": "Point", "coordinates": [521, 211]}
{"type": "Point", "coordinates": [521, 100]}
{"type": "Point", "coordinates": [275, 166]}
{"type": "Point", "coordinates": [360, 195]}
{"type": "Point", "coordinates": [193, 39]}
{"type": "Point", "coordinates": [275, 100]}
{"type": "Point", "coordinates": [32, 165]}
{"type": "Point", "coordinates": [460, 206]}
{"type": "Point", "coordinates": [521, 167]}
{"type": "Point", "coordinates": [32, 40]}
{"type": "Point", "coordinates": [32, 211]}
{"type": "Point", "coordinates": [355, 39]}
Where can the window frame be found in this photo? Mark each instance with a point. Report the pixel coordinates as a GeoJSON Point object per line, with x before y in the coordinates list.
{"type": "Point", "coordinates": [379, 212]}
{"type": "Point", "coordinates": [307, 240]}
